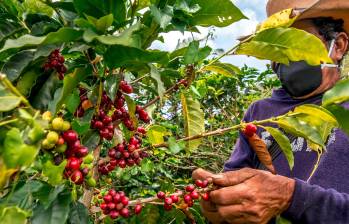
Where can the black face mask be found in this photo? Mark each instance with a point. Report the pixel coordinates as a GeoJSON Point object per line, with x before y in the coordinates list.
{"type": "Point", "coordinates": [299, 78]}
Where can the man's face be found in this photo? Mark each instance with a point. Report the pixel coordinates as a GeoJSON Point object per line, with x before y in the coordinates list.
{"type": "Point", "coordinates": [329, 75]}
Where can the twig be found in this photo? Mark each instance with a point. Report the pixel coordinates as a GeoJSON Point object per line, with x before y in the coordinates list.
{"type": "Point", "coordinates": [156, 199]}
{"type": "Point", "coordinates": [220, 131]}
{"type": "Point", "coordinates": [174, 87]}
{"type": "Point", "coordinates": [139, 79]}
{"type": "Point", "coordinates": [189, 215]}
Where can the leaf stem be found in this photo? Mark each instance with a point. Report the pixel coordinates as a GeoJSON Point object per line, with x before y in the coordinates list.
{"type": "Point", "coordinates": [8, 122]}
{"type": "Point", "coordinates": [169, 90]}
{"type": "Point", "coordinates": [319, 154]}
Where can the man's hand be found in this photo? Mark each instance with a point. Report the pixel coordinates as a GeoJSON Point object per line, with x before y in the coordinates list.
{"type": "Point", "coordinates": [249, 196]}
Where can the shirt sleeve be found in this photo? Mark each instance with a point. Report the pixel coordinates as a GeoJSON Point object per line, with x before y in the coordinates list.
{"type": "Point", "coordinates": [314, 204]}
{"type": "Point", "coordinates": [242, 154]}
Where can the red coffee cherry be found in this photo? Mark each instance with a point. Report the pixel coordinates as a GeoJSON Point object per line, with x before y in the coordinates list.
{"type": "Point", "coordinates": [205, 196]}
{"type": "Point", "coordinates": [161, 195]}
{"type": "Point", "coordinates": [77, 177]}
{"type": "Point", "coordinates": [190, 188]}
{"type": "Point", "coordinates": [138, 209]}
{"type": "Point", "coordinates": [250, 130]}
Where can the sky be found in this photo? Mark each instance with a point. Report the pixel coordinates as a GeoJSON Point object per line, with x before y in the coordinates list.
{"type": "Point", "coordinates": [225, 38]}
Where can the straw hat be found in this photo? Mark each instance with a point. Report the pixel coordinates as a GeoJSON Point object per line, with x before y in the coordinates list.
{"type": "Point", "coordinates": [337, 9]}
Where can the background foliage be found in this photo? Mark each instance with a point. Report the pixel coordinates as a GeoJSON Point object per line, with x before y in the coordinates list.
{"type": "Point", "coordinates": [106, 41]}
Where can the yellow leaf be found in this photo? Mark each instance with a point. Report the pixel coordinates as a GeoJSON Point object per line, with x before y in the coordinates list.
{"type": "Point", "coordinates": [5, 174]}
{"type": "Point", "coordinates": [283, 18]}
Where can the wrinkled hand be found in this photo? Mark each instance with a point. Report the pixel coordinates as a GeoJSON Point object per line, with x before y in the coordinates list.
{"type": "Point", "coordinates": [247, 196]}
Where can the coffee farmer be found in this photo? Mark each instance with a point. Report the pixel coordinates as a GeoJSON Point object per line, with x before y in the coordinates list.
{"type": "Point", "coordinates": [247, 193]}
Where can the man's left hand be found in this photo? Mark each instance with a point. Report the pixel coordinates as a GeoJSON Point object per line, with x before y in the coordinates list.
{"type": "Point", "coordinates": [251, 196]}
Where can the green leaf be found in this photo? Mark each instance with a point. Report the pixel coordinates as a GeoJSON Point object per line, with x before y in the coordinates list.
{"type": "Point", "coordinates": [68, 6]}
{"type": "Point", "coordinates": [13, 215]}
{"type": "Point", "coordinates": [162, 16]}
{"type": "Point", "coordinates": [64, 34]}
{"type": "Point", "coordinates": [23, 41]}
{"type": "Point", "coordinates": [70, 82]}
{"type": "Point", "coordinates": [15, 152]}
{"type": "Point", "coordinates": [282, 45]}
{"type": "Point", "coordinates": [80, 127]}
{"type": "Point", "coordinates": [7, 100]}
{"type": "Point", "coordinates": [27, 82]}
{"type": "Point", "coordinates": [147, 166]}
{"type": "Point", "coordinates": [78, 214]}
{"type": "Point", "coordinates": [118, 56]}
{"type": "Point", "coordinates": [341, 115]}
{"type": "Point", "coordinates": [97, 9]}
{"type": "Point", "coordinates": [103, 23]}
{"type": "Point", "coordinates": [91, 139]}
{"type": "Point", "coordinates": [111, 85]}
{"type": "Point", "coordinates": [45, 97]}
{"type": "Point", "coordinates": [195, 54]}
{"type": "Point", "coordinates": [297, 127]}
{"type": "Point", "coordinates": [48, 194]}
{"type": "Point", "coordinates": [284, 144]}
{"type": "Point", "coordinates": [225, 69]}
{"type": "Point", "coordinates": [218, 13]}
{"type": "Point", "coordinates": [194, 120]}
{"type": "Point", "coordinates": [16, 64]}
{"type": "Point", "coordinates": [284, 18]}
{"type": "Point", "coordinates": [131, 106]}
{"type": "Point", "coordinates": [156, 133]}
{"type": "Point", "coordinates": [35, 6]}
{"type": "Point", "coordinates": [57, 213]}
{"type": "Point", "coordinates": [174, 146]}
{"type": "Point", "coordinates": [73, 101]}
{"type": "Point", "coordinates": [317, 117]}
{"type": "Point", "coordinates": [23, 195]}
{"type": "Point", "coordinates": [155, 74]}
{"type": "Point", "coordinates": [318, 112]}
{"type": "Point", "coordinates": [54, 173]}
{"type": "Point", "coordinates": [281, 220]}
{"type": "Point", "coordinates": [338, 94]}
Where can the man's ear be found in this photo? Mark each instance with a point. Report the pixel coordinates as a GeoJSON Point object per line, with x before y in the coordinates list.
{"type": "Point", "coordinates": [341, 46]}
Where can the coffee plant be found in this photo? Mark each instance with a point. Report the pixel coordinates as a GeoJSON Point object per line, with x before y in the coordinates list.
{"type": "Point", "coordinates": [98, 127]}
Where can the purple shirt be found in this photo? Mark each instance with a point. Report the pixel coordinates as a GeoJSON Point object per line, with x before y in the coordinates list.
{"type": "Point", "coordinates": [325, 199]}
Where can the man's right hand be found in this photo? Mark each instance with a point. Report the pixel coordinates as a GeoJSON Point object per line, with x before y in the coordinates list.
{"type": "Point", "coordinates": [208, 208]}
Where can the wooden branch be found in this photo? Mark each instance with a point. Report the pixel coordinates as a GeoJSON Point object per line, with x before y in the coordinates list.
{"type": "Point", "coordinates": [156, 99]}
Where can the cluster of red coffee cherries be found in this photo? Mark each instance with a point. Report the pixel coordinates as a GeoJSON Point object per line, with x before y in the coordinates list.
{"type": "Point", "coordinates": [56, 61]}
{"type": "Point", "coordinates": [250, 130]}
{"type": "Point", "coordinates": [116, 204]}
{"type": "Point", "coordinates": [104, 124]}
{"type": "Point", "coordinates": [187, 199]}
{"type": "Point", "coordinates": [75, 154]}
{"type": "Point", "coordinates": [84, 105]}
{"type": "Point", "coordinates": [125, 154]}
